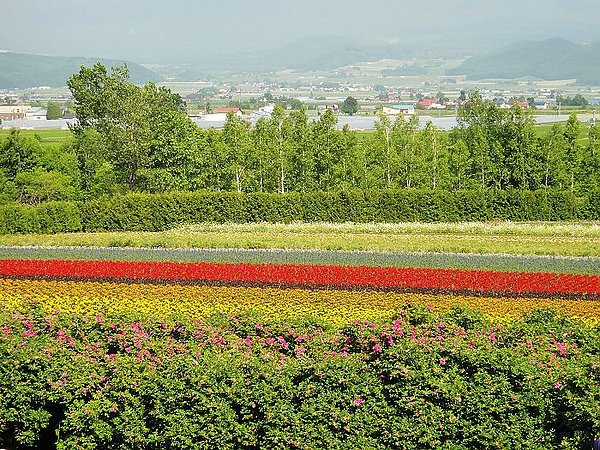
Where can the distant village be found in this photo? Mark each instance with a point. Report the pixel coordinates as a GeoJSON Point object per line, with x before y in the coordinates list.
{"type": "Point", "coordinates": [210, 103]}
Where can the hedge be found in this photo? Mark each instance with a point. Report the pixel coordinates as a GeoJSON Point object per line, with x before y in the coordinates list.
{"type": "Point", "coordinates": [156, 212]}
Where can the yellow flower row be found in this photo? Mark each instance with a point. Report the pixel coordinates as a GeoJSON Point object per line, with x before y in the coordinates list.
{"type": "Point", "coordinates": [334, 307]}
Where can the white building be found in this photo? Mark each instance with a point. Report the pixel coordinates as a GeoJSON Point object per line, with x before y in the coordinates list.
{"type": "Point", "coordinates": [395, 110]}
{"type": "Point", "coordinates": [36, 114]}
{"type": "Point", "coordinates": [13, 112]}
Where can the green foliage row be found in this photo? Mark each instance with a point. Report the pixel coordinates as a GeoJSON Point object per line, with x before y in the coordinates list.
{"type": "Point", "coordinates": [156, 212]}
{"type": "Point", "coordinates": [422, 381]}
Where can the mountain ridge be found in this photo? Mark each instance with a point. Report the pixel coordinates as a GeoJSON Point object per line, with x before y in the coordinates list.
{"type": "Point", "coordinates": [550, 59]}
{"type": "Point", "coordinates": [25, 70]}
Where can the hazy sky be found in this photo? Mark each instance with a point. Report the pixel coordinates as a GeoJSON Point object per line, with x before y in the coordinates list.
{"type": "Point", "coordinates": [182, 30]}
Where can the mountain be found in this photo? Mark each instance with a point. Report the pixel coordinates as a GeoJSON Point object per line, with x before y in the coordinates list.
{"type": "Point", "coordinates": [331, 52]}
{"type": "Point", "coordinates": [22, 70]}
{"type": "Point", "coordinates": [318, 53]}
{"type": "Point", "coordinates": [552, 59]}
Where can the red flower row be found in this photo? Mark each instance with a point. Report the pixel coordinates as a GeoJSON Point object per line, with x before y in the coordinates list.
{"type": "Point", "coordinates": [294, 274]}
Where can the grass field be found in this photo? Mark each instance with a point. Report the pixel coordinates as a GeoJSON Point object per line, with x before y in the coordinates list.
{"type": "Point", "coordinates": [45, 136]}
{"type": "Point", "coordinates": [536, 238]}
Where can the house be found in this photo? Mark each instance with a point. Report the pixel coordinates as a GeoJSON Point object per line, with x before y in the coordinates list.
{"type": "Point", "coordinates": [427, 103]}
{"type": "Point", "coordinates": [388, 97]}
{"type": "Point", "coordinates": [437, 106]}
{"type": "Point", "coordinates": [267, 109]}
{"type": "Point", "coordinates": [394, 110]}
{"type": "Point", "coordinates": [540, 105]}
{"type": "Point", "coordinates": [36, 114]}
{"type": "Point", "coordinates": [332, 106]}
{"type": "Point", "coordinates": [13, 112]}
{"type": "Point", "coordinates": [235, 111]}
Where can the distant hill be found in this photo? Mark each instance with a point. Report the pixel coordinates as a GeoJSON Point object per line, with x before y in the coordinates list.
{"type": "Point", "coordinates": [331, 52]}
{"type": "Point", "coordinates": [21, 70]}
{"type": "Point", "coordinates": [552, 59]}
{"type": "Point", "coordinates": [315, 53]}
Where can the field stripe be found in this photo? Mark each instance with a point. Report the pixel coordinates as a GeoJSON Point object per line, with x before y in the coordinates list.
{"type": "Point", "coordinates": [337, 276]}
{"type": "Point", "coordinates": [335, 307]}
{"type": "Point", "coordinates": [467, 261]}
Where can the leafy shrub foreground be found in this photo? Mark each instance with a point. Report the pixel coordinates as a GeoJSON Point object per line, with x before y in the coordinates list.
{"type": "Point", "coordinates": [157, 212]}
{"type": "Point", "coordinates": [422, 380]}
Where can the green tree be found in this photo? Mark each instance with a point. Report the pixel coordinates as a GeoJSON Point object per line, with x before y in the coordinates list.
{"type": "Point", "coordinates": [18, 153]}
{"type": "Point", "coordinates": [407, 150]}
{"type": "Point", "coordinates": [519, 144]}
{"type": "Point", "coordinates": [458, 165]}
{"type": "Point", "coordinates": [573, 153]}
{"type": "Point", "coordinates": [589, 173]}
{"type": "Point", "coordinates": [350, 106]}
{"type": "Point", "coordinates": [304, 152]}
{"type": "Point", "coordinates": [434, 158]}
{"type": "Point", "coordinates": [326, 147]}
{"type": "Point", "coordinates": [554, 159]}
{"type": "Point", "coordinates": [126, 116]}
{"type": "Point", "coordinates": [281, 130]}
{"type": "Point", "coordinates": [53, 111]}
{"type": "Point", "coordinates": [236, 136]}
{"type": "Point", "coordinates": [385, 151]}
{"type": "Point", "coordinates": [41, 185]}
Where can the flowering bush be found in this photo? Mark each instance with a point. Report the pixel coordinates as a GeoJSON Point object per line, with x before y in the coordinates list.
{"type": "Point", "coordinates": [421, 380]}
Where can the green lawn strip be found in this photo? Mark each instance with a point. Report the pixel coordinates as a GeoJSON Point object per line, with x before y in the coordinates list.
{"type": "Point", "coordinates": [566, 228]}
{"type": "Point", "coordinates": [447, 243]}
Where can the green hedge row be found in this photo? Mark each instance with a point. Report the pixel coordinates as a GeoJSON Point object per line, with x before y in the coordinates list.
{"type": "Point", "coordinates": [155, 212]}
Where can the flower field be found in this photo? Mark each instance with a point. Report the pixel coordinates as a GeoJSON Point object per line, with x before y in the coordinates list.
{"type": "Point", "coordinates": [339, 294]}
{"type": "Point", "coordinates": [232, 349]}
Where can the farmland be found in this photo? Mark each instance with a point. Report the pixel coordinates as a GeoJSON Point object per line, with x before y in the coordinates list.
{"type": "Point", "coordinates": [290, 285]}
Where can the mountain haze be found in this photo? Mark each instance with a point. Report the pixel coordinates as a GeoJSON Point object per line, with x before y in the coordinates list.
{"type": "Point", "coordinates": [551, 59]}
{"type": "Point", "coordinates": [21, 70]}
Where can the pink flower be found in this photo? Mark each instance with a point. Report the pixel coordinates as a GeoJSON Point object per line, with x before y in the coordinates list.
{"type": "Point", "coordinates": [5, 330]}
{"type": "Point", "coordinates": [358, 401]}
{"type": "Point", "coordinates": [562, 348]}
{"type": "Point", "coordinates": [377, 349]}
{"type": "Point", "coordinates": [557, 385]}
{"type": "Point", "coordinates": [99, 318]}
{"type": "Point", "coordinates": [282, 342]}
{"type": "Point", "coordinates": [29, 333]}
{"type": "Point", "coordinates": [443, 361]}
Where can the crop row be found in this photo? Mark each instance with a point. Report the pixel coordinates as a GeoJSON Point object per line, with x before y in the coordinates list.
{"type": "Point", "coordinates": [452, 280]}
{"type": "Point", "coordinates": [468, 261]}
{"type": "Point", "coordinates": [334, 307]}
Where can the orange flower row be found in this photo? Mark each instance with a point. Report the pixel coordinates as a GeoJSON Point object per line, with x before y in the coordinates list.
{"type": "Point", "coordinates": [270, 304]}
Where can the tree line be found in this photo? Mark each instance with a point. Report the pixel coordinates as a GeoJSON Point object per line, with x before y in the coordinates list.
{"type": "Point", "coordinates": [138, 139]}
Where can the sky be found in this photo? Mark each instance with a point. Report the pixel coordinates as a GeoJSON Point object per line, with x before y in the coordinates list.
{"type": "Point", "coordinates": [179, 31]}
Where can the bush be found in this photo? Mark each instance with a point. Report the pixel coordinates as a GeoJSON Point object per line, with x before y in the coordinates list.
{"type": "Point", "coordinates": [50, 217]}
{"type": "Point", "coordinates": [422, 380]}
{"type": "Point", "coordinates": [157, 212]}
